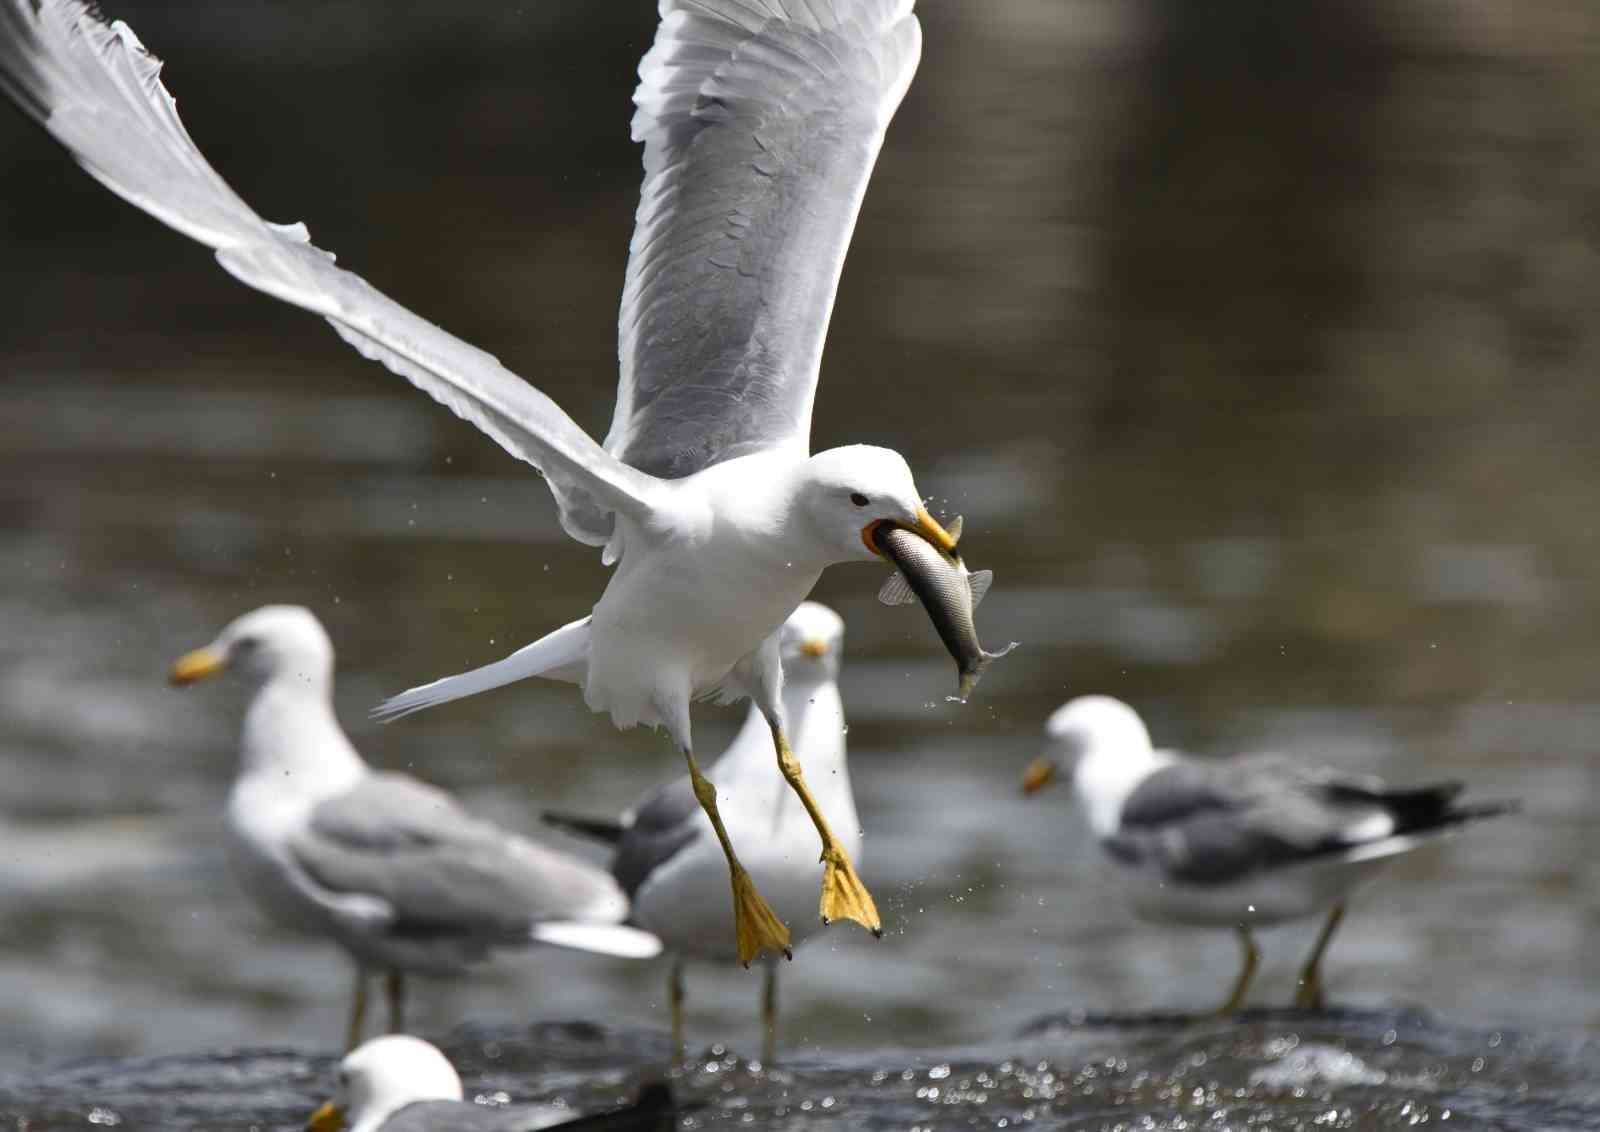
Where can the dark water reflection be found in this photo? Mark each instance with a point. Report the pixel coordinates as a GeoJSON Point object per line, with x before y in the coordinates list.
{"type": "Point", "coordinates": [1377, 552]}
{"type": "Point", "coordinates": [1365, 1070]}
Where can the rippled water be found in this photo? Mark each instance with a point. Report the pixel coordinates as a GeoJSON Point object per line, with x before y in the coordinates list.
{"type": "Point", "coordinates": [1360, 1070]}
{"type": "Point", "coordinates": [1357, 532]}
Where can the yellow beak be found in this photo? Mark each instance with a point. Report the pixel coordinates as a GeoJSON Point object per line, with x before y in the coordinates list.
{"type": "Point", "coordinates": [1039, 774]}
{"type": "Point", "coordinates": [928, 527]}
{"type": "Point", "coordinates": [328, 1118]}
{"type": "Point", "coordinates": [197, 665]}
{"type": "Point", "coordinates": [816, 648]}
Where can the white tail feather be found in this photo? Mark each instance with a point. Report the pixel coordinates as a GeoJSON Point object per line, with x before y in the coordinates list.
{"type": "Point", "coordinates": [602, 939]}
{"type": "Point", "coordinates": [561, 655]}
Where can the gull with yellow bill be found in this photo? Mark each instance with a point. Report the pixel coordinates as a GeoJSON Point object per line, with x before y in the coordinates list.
{"type": "Point", "coordinates": [665, 853]}
{"type": "Point", "coordinates": [398, 1083]}
{"type": "Point", "coordinates": [1243, 842]}
{"type": "Point", "coordinates": [390, 868]}
{"type": "Point", "coordinates": [761, 122]}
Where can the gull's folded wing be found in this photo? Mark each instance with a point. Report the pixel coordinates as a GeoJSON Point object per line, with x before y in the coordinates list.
{"type": "Point", "coordinates": [761, 121]}
{"type": "Point", "coordinates": [93, 86]}
{"type": "Point", "coordinates": [442, 870]}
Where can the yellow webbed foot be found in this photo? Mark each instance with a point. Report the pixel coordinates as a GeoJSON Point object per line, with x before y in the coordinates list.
{"type": "Point", "coordinates": [756, 928]}
{"type": "Point", "coordinates": [844, 897]}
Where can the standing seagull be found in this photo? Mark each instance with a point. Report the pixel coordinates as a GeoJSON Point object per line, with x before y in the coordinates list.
{"type": "Point", "coordinates": [761, 121]}
{"type": "Point", "coordinates": [1240, 842]}
{"type": "Point", "coordinates": [667, 858]}
{"type": "Point", "coordinates": [390, 868]}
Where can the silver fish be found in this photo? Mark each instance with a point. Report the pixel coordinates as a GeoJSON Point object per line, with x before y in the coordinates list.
{"type": "Point", "coordinates": [947, 591]}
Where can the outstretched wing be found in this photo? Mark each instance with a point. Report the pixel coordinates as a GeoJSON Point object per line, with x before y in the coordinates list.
{"type": "Point", "coordinates": [96, 90]}
{"type": "Point", "coordinates": [761, 121]}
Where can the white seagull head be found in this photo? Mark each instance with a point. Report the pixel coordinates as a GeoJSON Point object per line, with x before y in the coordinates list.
{"type": "Point", "coordinates": [846, 492]}
{"type": "Point", "coordinates": [382, 1076]}
{"type": "Point", "coordinates": [810, 643]}
{"type": "Point", "coordinates": [1084, 726]}
{"type": "Point", "coordinates": [275, 641]}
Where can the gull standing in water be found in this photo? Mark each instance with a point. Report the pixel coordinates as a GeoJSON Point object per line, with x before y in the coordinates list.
{"type": "Point", "coordinates": [667, 858]}
{"type": "Point", "coordinates": [761, 121]}
{"type": "Point", "coordinates": [390, 868]}
{"type": "Point", "coordinates": [1240, 842]}
{"type": "Point", "coordinates": [399, 1083]}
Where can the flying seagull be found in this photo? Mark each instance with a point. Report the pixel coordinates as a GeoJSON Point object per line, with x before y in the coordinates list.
{"type": "Point", "coordinates": [761, 121]}
{"type": "Point", "coordinates": [390, 868]}
{"type": "Point", "coordinates": [398, 1083]}
{"type": "Point", "coordinates": [666, 855]}
{"type": "Point", "coordinates": [1241, 842]}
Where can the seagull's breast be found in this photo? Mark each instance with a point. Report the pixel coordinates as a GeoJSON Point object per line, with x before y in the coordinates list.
{"type": "Point", "coordinates": [683, 608]}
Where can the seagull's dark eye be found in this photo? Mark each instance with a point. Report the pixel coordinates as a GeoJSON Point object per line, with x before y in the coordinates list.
{"type": "Point", "coordinates": [858, 499]}
{"type": "Point", "coordinates": [246, 644]}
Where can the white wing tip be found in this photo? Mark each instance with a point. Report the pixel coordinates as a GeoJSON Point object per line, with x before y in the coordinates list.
{"type": "Point", "coordinates": [617, 940]}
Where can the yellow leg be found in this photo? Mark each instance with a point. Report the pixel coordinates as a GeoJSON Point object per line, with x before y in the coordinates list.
{"type": "Point", "coordinates": [756, 928]}
{"type": "Point", "coordinates": [844, 897]}
{"type": "Point", "coordinates": [1247, 971]}
{"type": "Point", "coordinates": [396, 987]}
{"type": "Point", "coordinates": [769, 1016]}
{"type": "Point", "coordinates": [1309, 996]}
{"type": "Point", "coordinates": [675, 1005]}
{"type": "Point", "coordinates": [358, 1012]}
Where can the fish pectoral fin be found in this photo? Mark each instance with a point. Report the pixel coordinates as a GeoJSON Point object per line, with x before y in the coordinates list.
{"type": "Point", "coordinates": [979, 582]}
{"type": "Point", "coordinates": [954, 527]}
{"type": "Point", "coordinates": [897, 591]}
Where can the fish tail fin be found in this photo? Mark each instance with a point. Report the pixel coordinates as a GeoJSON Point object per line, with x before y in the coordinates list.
{"type": "Point", "coordinates": [969, 679]}
{"type": "Point", "coordinates": [561, 655]}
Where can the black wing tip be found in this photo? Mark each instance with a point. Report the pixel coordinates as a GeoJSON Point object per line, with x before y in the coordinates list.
{"type": "Point", "coordinates": [1498, 807]}
{"type": "Point", "coordinates": [608, 831]}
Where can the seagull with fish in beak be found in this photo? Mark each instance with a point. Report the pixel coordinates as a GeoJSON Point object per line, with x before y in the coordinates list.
{"type": "Point", "coordinates": [390, 868]}
{"type": "Point", "coordinates": [761, 121]}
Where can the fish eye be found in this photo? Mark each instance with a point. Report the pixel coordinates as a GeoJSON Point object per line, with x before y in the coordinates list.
{"type": "Point", "coordinates": [858, 499]}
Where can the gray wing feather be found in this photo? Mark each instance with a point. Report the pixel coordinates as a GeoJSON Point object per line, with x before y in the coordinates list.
{"type": "Point", "coordinates": [1216, 822]}
{"type": "Point", "coordinates": [761, 121]}
{"type": "Point", "coordinates": [459, 1116]}
{"type": "Point", "coordinates": [664, 824]}
{"type": "Point", "coordinates": [94, 87]}
{"type": "Point", "coordinates": [443, 871]}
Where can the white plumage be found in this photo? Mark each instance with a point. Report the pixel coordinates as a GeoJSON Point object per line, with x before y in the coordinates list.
{"type": "Point", "coordinates": [390, 868]}
{"type": "Point", "coordinates": [1242, 842]}
{"type": "Point", "coordinates": [761, 122]}
{"type": "Point", "coordinates": [666, 853]}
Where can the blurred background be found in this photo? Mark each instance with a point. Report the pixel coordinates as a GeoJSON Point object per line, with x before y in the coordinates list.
{"type": "Point", "coordinates": [1255, 342]}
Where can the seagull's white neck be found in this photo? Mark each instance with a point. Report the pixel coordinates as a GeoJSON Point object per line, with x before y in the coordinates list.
{"type": "Point", "coordinates": [755, 502]}
{"type": "Point", "coordinates": [291, 734]}
{"type": "Point", "coordinates": [1106, 774]}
